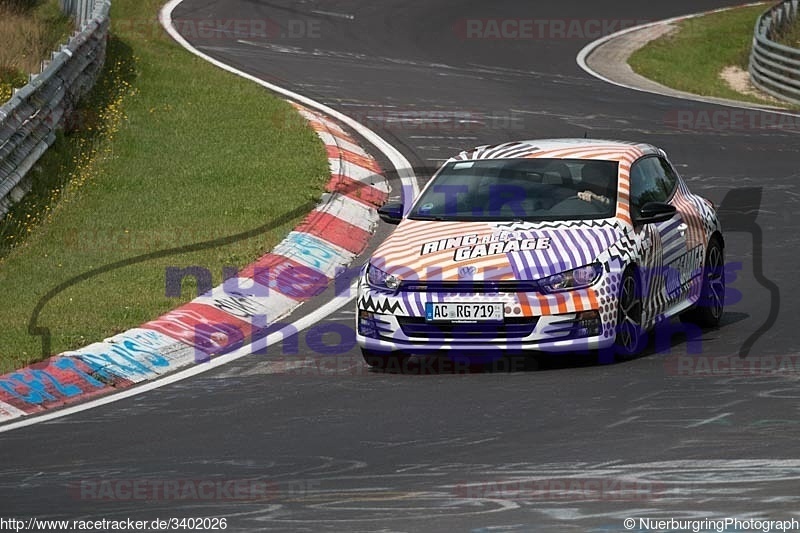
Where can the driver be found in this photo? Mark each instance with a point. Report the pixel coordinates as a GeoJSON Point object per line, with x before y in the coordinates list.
{"type": "Point", "coordinates": [597, 179]}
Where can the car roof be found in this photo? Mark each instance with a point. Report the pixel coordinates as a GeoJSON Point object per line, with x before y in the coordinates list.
{"type": "Point", "coordinates": [609, 150]}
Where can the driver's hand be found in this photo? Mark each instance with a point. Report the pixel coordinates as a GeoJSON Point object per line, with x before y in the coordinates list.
{"type": "Point", "coordinates": [588, 196]}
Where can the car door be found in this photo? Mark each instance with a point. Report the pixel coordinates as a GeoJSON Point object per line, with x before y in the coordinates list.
{"type": "Point", "coordinates": [664, 243]}
{"type": "Point", "coordinates": [690, 264]}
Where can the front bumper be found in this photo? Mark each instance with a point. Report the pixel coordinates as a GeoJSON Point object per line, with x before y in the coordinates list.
{"type": "Point", "coordinates": [571, 321]}
{"type": "Point", "coordinates": [538, 341]}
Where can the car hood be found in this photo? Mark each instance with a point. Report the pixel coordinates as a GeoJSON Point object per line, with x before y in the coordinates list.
{"type": "Point", "coordinates": [449, 251]}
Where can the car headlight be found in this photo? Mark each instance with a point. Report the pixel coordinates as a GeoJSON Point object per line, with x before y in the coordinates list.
{"type": "Point", "coordinates": [577, 278]}
{"type": "Point", "coordinates": [381, 280]}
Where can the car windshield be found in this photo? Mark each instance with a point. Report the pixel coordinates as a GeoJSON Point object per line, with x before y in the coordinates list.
{"type": "Point", "coordinates": [524, 189]}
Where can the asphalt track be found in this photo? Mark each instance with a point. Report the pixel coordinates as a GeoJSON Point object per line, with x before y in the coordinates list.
{"type": "Point", "coordinates": [345, 449]}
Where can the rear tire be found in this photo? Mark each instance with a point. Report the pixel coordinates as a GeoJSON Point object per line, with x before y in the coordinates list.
{"type": "Point", "coordinates": [708, 310]}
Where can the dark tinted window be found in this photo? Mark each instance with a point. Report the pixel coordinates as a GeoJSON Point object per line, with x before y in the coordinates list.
{"type": "Point", "coordinates": [669, 178]}
{"type": "Point", "coordinates": [649, 183]}
{"type": "Point", "coordinates": [528, 189]}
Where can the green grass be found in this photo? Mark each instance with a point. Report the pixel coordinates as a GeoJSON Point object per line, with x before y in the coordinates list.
{"type": "Point", "coordinates": [10, 79]}
{"type": "Point", "coordinates": [692, 58]}
{"type": "Point", "coordinates": [172, 152]}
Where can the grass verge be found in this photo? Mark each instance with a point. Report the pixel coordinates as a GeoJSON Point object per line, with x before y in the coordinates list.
{"type": "Point", "coordinates": [691, 58]}
{"type": "Point", "coordinates": [168, 151]}
{"type": "Point", "coordinates": [29, 31]}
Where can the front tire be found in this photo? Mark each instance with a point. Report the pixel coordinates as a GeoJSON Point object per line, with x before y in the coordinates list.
{"type": "Point", "coordinates": [630, 339]}
{"type": "Point", "coordinates": [707, 313]}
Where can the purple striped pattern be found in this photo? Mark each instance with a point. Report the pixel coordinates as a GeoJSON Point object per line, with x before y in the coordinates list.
{"type": "Point", "coordinates": [569, 248]}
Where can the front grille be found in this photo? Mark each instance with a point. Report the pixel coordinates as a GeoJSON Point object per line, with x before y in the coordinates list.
{"type": "Point", "coordinates": [512, 328]}
{"type": "Point", "coordinates": [470, 287]}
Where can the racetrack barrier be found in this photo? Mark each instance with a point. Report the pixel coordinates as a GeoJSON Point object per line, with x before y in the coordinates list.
{"type": "Point", "coordinates": [774, 67]}
{"type": "Point", "coordinates": [29, 120]}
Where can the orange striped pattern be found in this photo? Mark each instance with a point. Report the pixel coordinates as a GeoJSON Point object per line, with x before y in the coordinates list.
{"type": "Point", "coordinates": [402, 251]}
{"type": "Point", "coordinates": [558, 303]}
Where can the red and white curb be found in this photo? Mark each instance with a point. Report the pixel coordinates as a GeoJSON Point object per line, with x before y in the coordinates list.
{"type": "Point", "coordinates": [229, 316]}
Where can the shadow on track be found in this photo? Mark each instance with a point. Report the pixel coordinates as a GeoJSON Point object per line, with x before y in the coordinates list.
{"type": "Point", "coordinates": [505, 363]}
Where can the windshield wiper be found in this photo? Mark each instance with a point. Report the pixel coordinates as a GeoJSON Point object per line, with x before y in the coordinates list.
{"type": "Point", "coordinates": [426, 217]}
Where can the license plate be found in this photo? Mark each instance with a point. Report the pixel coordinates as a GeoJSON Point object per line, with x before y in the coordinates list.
{"type": "Point", "coordinates": [464, 312]}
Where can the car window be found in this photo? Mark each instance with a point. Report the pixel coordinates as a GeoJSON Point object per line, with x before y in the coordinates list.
{"type": "Point", "coordinates": [529, 189]}
{"type": "Point", "coordinates": [668, 177]}
{"type": "Point", "coordinates": [647, 183]}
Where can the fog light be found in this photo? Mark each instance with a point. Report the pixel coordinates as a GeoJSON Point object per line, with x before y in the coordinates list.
{"type": "Point", "coordinates": [587, 323]}
{"type": "Point", "coordinates": [366, 325]}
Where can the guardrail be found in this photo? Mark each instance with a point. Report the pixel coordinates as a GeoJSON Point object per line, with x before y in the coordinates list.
{"type": "Point", "coordinates": [80, 10]}
{"type": "Point", "coordinates": [28, 121]}
{"type": "Point", "coordinates": [774, 67]}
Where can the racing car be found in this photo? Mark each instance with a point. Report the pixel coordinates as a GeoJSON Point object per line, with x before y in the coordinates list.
{"type": "Point", "coordinates": [551, 245]}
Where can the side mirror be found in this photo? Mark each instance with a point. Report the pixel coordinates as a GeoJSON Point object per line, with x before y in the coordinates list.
{"type": "Point", "coordinates": [391, 213]}
{"type": "Point", "coordinates": [653, 212]}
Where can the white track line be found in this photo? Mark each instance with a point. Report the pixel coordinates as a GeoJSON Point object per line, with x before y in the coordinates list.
{"type": "Point", "coordinates": [589, 48]}
{"type": "Point", "coordinates": [397, 159]}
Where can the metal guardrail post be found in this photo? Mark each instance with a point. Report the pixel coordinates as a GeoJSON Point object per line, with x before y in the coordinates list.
{"type": "Point", "coordinates": [80, 10]}
{"type": "Point", "coordinates": [28, 120]}
{"type": "Point", "coordinates": [775, 68]}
